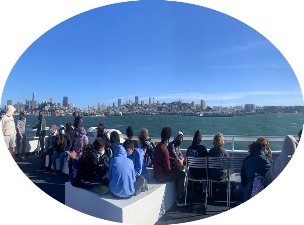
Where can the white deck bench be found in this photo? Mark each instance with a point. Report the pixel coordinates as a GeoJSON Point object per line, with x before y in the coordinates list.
{"type": "Point", "coordinates": [145, 208]}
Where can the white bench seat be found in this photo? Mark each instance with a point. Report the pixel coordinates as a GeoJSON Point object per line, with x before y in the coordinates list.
{"type": "Point", "coordinates": [145, 208]}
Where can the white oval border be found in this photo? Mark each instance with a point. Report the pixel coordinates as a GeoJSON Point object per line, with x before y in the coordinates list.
{"type": "Point", "coordinates": [22, 22]}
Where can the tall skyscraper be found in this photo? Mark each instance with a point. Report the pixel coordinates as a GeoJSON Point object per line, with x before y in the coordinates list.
{"type": "Point", "coordinates": [65, 101]}
{"type": "Point", "coordinates": [33, 96]}
{"type": "Point", "coordinates": [150, 100]}
{"type": "Point", "coordinates": [136, 100]}
{"type": "Point", "coordinates": [9, 102]}
{"type": "Point", "coordinates": [203, 104]}
{"type": "Point", "coordinates": [119, 102]}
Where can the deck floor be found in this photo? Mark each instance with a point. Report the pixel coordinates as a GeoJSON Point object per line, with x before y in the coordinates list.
{"type": "Point", "coordinates": [54, 185]}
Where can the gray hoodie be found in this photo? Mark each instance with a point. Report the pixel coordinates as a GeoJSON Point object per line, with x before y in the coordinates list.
{"type": "Point", "coordinates": [277, 166]}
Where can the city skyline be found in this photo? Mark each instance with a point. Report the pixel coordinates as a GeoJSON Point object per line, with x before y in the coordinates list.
{"type": "Point", "coordinates": [197, 54]}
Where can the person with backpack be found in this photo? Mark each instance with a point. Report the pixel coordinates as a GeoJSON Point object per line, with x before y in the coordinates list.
{"type": "Point", "coordinates": [147, 146]}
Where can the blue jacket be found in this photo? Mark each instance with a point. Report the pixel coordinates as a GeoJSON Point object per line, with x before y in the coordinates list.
{"type": "Point", "coordinates": [121, 174]}
{"type": "Point", "coordinates": [138, 159]}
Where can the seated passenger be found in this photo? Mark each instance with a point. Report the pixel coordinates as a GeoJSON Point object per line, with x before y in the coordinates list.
{"type": "Point", "coordinates": [176, 156]}
{"type": "Point", "coordinates": [218, 151]}
{"type": "Point", "coordinates": [93, 166]}
{"type": "Point", "coordinates": [196, 149]}
{"type": "Point", "coordinates": [289, 146]}
{"type": "Point", "coordinates": [163, 172]}
{"type": "Point", "coordinates": [254, 165]}
{"type": "Point", "coordinates": [130, 135]}
{"type": "Point", "coordinates": [137, 157]}
{"type": "Point", "coordinates": [265, 146]}
{"type": "Point", "coordinates": [147, 145]}
{"type": "Point", "coordinates": [122, 180]}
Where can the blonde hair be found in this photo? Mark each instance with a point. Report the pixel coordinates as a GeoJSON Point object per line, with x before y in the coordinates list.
{"type": "Point", "coordinates": [218, 140]}
{"type": "Point", "coordinates": [143, 134]}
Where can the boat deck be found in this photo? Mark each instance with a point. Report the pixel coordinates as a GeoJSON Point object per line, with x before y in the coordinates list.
{"type": "Point", "coordinates": [54, 185]}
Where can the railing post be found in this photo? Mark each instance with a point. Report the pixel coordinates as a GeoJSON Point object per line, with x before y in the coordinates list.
{"type": "Point", "coordinates": [232, 143]}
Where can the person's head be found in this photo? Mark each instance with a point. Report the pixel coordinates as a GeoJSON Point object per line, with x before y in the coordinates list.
{"type": "Point", "coordinates": [40, 115]}
{"type": "Point", "coordinates": [53, 129]}
{"type": "Point", "coordinates": [264, 144]}
{"type": "Point", "coordinates": [100, 126]}
{"type": "Point", "coordinates": [130, 148]}
{"type": "Point", "coordinates": [254, 147]}
{"type": "Point", "coordinates": [114, 138]}
{"type": "Point", "coordinates": [75, 113]}
{"type": "Point", "coordinates": [69, 126]}
{"type": "Point", "coordinates": [10, 110]}
{"type": "Point", "coordinates": [129, 132]}
{"type": "Point", "coordinates": [143, 134]}
{"type": "Point", "coordinates": [165, 134]}
{"type": "Point", "coordinates": [99, 145]}
{"type": "Point", "coordinates": [21, 116]}
{"type": "Point", "coordinates": [86, 150]}
{"type": "Point", "coordinates": [62, 130]}
{"type": "Point", "coordinates": [218, 140]}
{"type": "Point", "coordinates": [198, 136]}
{"type": "Point", "coordinates": [179, 137]}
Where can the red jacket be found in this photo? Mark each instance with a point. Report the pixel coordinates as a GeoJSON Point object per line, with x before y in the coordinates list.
{"type": "Point", "coordinates": [161, 160]}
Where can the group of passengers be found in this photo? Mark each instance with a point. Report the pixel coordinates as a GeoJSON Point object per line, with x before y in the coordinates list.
{"type": "Point", "coordinates": [121, 167]}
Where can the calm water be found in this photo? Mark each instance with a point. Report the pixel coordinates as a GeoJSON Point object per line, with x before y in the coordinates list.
{"type": "Point", "coordinates": [259, 125]}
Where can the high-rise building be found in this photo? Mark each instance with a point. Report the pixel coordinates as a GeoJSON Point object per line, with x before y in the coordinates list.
{"type": "Point", "coordinates": [65, 101]}
{"type": "Point", "coordinates": [136, 100]}
{"type": "Point", "coordinates": [119, 102]}
{"type": "Point", "coordinates": [33, 96]}
{"type": "Point", "coordinates": [250, 107]}
{"type": "Point", "coordinates": [9, 102]}
{"type": "Point", "coordinates": [150, 100]}
{"type": "Point", "coordinates": [142, 103]}
{"type": "Point", "coordinates": [203, 104]}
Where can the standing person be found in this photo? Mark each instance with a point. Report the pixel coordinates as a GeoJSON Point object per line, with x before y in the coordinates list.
{"type": "Point", "coordinates": [102, 135]}
{"type": "Point", "coordinates": [122, 180]}
{"type": "Point", "coordinates": [41, 126]}
{"type": "Point", "coordinates": [196, 149]}
{"type": "Point", "coordinates": [9, 130]}
{"type": "Point", "coordinates": [21, 137]}
{"type": "Point", "coordinates": [130, 135]}
{"type": "Point", "coordinates": [78, 121]}
{"type": "Point", "coordinates": [147, 145]}
{"type": "Point", "coordinates": [70, 133]}
{"type": "Point", "coordinates": [163, 172]}
{"type": "Point", "coordinates": [254, 165]}
{"type": "Point", "coordinates": [176, 155]}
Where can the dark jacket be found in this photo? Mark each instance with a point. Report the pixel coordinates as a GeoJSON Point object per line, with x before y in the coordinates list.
{"type": "Point", "coordinates": [256, 164]}
{"type": "Point", "coordinates": [197, 150]}
{"type": "Point", "coordinates": [41, 126]}
{"type": "Point", "coordinates": [70, 134]}
{"type": "Point", "coordinates": [93, 166]}
{"type": "Point", "coordinates": [217, 174]}
{"type": "Point", "coordinates": [78, 122]}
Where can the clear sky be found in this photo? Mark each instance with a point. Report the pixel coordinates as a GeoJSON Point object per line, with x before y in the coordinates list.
{"type": "Point", "coordinates": [165, 50]}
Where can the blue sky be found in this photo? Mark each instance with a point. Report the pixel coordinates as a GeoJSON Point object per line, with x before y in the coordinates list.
{"type": "Point", "coordinates": [165, 50]}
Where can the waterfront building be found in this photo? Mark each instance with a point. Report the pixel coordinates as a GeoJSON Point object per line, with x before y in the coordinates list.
{"type": "Point", "coordinates": [119, 102]}
{"type": "Point", "coordinates": [203, 104]}
{"type": "Point", "coordinates": [250, 108]}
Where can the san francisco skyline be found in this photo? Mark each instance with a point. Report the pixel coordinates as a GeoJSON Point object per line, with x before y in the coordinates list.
{"type": "Point", "coordinates": [171, 51]}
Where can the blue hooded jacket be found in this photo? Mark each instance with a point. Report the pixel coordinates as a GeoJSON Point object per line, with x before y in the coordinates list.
{"type": "Point", "coordinates": [121, 174]}
{"type": "Point", "coordinates": [139, 161]}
